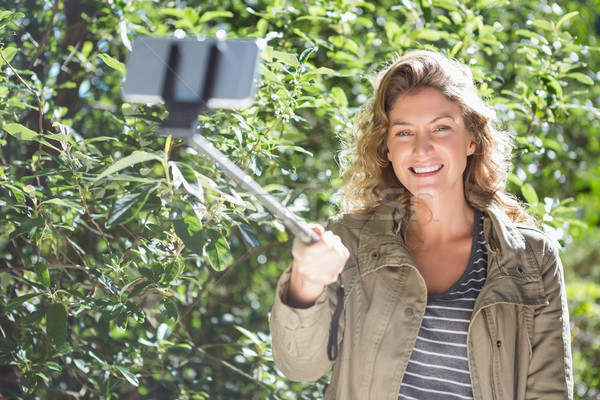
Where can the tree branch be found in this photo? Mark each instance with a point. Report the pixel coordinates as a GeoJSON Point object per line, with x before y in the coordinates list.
{"type": "Point", "coordinates": [33, 92]}
{"type": "Point", "coordinates": [42, 43]}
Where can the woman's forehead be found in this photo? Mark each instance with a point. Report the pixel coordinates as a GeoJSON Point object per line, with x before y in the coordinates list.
{"type": "Point", "coordinates": [425, 102]}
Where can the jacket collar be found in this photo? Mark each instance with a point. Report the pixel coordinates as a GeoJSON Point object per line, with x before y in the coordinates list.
{"type": "Point", "coordinates": [380, 242]}
{"type": "Point", "coordinates": [513, 272]}
{"type": "Point", "coordinates": [383, 225]}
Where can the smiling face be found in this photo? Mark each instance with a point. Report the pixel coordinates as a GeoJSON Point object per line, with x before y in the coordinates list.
{"type": "Point", "coordinates": [428, 144]}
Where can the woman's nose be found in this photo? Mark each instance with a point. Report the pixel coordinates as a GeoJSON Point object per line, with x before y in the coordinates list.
{"type": "Point", "coordinates": [422, 144]}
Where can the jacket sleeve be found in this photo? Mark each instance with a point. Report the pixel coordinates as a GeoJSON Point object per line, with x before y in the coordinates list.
{"type": "Point", "coordinates": [300, 335]}
{"type": "Point", "coordinates": [550, 371]}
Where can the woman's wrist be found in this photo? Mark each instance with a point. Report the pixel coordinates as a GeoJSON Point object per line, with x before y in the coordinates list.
{"type": "Point", "coordinates": [303, 293]}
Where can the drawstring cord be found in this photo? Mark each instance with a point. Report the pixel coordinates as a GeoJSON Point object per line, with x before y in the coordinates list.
{"type": "Point", "coordinates": [332, 345]}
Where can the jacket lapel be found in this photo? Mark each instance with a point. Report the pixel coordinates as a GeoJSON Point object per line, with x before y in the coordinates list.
{"type": "Point", "coordinates": [514, 275]}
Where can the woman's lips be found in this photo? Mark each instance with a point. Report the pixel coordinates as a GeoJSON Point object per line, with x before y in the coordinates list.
{"type": "Point", "coordinates": [425, 170]}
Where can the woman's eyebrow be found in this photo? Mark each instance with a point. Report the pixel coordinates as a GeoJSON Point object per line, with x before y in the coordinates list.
{"type": "Point", "coordinates": [400, 123]}
{"type": "Point", "coordinates": [436, 119]}
{"type": "Point", "coordinates": [442, 117]}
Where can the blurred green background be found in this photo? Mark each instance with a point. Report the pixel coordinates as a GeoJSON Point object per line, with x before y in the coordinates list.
{"type": "Point", "coordinates": [131, 268]}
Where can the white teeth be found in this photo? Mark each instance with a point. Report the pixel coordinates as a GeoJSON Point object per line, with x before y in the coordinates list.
{"type": "Point", "coordinates": [425, 170]}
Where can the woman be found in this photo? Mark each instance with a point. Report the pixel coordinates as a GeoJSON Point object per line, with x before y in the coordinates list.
{"type": "Point", "coordinates": [449, 292]}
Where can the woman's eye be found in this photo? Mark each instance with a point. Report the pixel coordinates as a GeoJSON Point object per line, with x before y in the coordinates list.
{"type": "Point", "coordinates": [442, 128]}
{"type": "Point", "coordinates": [402, 133]}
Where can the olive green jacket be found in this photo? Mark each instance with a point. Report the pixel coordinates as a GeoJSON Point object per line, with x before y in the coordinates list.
{"type": "Point", "coordinates": [518, 340]}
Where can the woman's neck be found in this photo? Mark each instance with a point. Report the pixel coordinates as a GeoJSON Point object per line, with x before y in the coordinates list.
{"type": "Point", "coordinates": [433, 223]}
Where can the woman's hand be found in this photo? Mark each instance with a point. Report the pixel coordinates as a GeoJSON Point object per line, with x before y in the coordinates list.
{"type": "Point", "coordinates": [314, 267]}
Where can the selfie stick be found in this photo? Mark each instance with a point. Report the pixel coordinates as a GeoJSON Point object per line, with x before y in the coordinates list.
{"type": "Point", "coordinates": [288, 218]}
{"type": "Point", "coordinates": [192, 76]}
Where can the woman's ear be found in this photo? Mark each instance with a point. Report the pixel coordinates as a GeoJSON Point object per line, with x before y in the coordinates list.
{"type": "Point", "coordinates": [386, 151]}
{"type": "Point", "coordinates": [472, 146]}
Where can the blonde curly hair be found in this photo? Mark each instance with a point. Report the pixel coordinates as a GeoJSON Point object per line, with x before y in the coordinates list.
{"type": "Point", "coordinates": [369, 176]}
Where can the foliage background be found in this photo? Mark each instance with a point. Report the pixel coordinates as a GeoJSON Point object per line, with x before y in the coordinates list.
{"type": "Point", "coordinates": [131, 268]}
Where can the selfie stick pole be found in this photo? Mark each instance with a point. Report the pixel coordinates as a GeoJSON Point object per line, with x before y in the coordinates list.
{"type": "Point", "coordinates": [288, 218]}
{"type": "Point", "coordinates": [185, 97]}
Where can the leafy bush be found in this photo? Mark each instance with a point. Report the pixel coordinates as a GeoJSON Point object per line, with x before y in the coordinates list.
{"type": "Point", "coordinates": [133, 268]}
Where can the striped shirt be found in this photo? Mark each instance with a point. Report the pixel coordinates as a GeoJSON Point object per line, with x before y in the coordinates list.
{"type": "Point", "coordinates": [438, 367]}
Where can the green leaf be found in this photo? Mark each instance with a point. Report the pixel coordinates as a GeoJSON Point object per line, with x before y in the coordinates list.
{"type": "Point", "coordinates": [257, 165]}
{"type": "Point", "coordinates": [79, 363]}
{"type": "Point", "coordinates": [543, 24]}
{"type": "Point", "coordinates": [138, 288]}
{"type": "Point", "coordinates": [148, 274]}
{"type": "Point", "coordinates": [52, 366]}
{"type": "Point", "coordinates": [14, 303]}
{"type": "Point", "coordinates": [286, 58]}
{"type": "Point", "coordinates": [178, 180]}
{"type": "Point", "coordinates": [56, 324]}
{"type": "Point", "coordinates": [135, 312]}
{"type": "Point", "coordinates": [190, 232]}
{"type": "Point", "coordinates": [490, 3]}
{"type": "Point", "coordinates": [28, 382]}
{"type": "Point", "coordinates": [530, 194]}
{"type": "Point", "coordinates": [583, 78]}
{"type": "Point", "coordinates": [31, 283]}
{"type": "Point", "coordinates": [122, 320]}
{"type": "Point", "coordinates": [531, 35]}
{"type": "Point", "coordinates": [172, 12]}
{"type": "Point", "coordinates": [19, 131]}
{"type": "Point", "coordinates": [127, 207]}
{"type": "Point", "coordinates": [111, 311]}
{"type": "Point", "coordinates": [100, 139]}
{"type": "Point", "coordinates": [10, 15]}
{"type": "Point", "coordinates": [426, 6]}
{"type": "Point", "coordinates": [132, 159]}
{"type": "Point", "coordinates": [105, 280]}
{"type": "Point", "coordinates": [210, 15]}
{"type": "Point", "coordinates": [29, 190]}
{"type": "Point", "coordinates": [313, 18]}
{"type": "Point", "coordinates": [29, 228]}
{"type": "Point", "coordinates": [320, 71]}
{"type": "Point", "coordinates": [168, 309]}
{"type": "Point", "coordinates": [565, 18]}
{"type": "Point", "coordinates": [8, 53]}
{"type": "Point", "coordinates": [163, 331]}
{"type": "Point", "coordinates": [59, 137]}
{"type": "Point", "coordinates": [248, 234]}
{"type": "Point", "coordinates": [429, 34]}
{"type": "Point", "coordinates": [552, 85]}
{"type": "Point", "coordinates": [170, 273]}
{"type": "Point", "coordinates": [218, 254]}
{"type": "Point", "coordinates": [42, 273]}
{"type": "Point", "coordinates": [5, 14]}
{"type": "Point", "coordinates": [119, 211]}
{"type": "Point", "coordinates": [339, 96]}
{"type": "Point", "coordinates": [65, 203]}
{"type": "Point", "coordinates": [43, 376]}
{"type": "Point", "coordinates": [250, 335]}
{"type": "Point", "coordinates": [131, 378]}
{"type": "Point", "coordinates": [113, 63]}
{"type": "Point", "coordinates": [16, 191]}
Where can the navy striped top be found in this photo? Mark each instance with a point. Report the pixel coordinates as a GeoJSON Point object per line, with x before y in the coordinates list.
{"type": "Point", "coordinates": [438, 367]}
